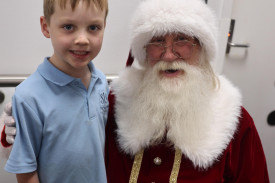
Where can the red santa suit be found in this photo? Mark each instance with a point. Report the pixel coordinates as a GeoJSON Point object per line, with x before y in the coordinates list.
{"type": "Point", "coordinates": [229, 150]}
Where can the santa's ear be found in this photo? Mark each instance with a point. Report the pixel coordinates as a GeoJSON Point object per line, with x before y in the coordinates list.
{"type": "Point", "coordinates": [44, 27]}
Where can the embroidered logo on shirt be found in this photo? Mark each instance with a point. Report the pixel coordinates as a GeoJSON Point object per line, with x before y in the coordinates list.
{"type": "Point", "coordinates": [103, 100]}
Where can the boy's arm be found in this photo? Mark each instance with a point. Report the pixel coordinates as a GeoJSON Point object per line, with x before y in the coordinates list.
{"type": "Point", "coordinates": [27, 177]}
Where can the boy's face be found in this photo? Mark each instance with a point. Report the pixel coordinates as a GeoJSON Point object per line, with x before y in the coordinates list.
{"type": "Point", "coordinates": [76, 36]}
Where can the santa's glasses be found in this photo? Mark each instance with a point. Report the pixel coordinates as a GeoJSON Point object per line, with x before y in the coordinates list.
{"type": "Point", "coordinates": [182, 47]}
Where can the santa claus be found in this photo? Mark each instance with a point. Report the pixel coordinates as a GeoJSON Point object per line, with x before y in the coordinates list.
{"type": "Point", "coordinates": [172, 119]}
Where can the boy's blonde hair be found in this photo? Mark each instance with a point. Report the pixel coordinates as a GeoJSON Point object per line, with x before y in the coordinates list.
{"type": "Point", "coordinates": [48, 6]}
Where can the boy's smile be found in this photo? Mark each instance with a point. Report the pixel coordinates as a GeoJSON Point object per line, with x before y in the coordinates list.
{"type": "Point", "coordinates": [76, 36]}
{"type": "Point", "coordinates": [80, 54]}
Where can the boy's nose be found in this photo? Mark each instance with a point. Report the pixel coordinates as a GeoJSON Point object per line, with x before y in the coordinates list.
{"type": "Point", "coordinates": [82, 39]}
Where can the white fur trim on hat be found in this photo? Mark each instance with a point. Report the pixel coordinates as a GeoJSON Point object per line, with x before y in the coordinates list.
{"type": "Point", "coordinates": [158, 17]}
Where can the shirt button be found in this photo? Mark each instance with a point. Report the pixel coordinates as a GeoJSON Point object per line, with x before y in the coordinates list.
{"type": "Point", "coordinates": [157, 161]}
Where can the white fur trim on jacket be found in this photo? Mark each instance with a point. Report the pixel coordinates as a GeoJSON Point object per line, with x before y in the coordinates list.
{"type": "Point", "coordinates": [158, 17]}
{"type": "Point", "coordinates": [203, 145]}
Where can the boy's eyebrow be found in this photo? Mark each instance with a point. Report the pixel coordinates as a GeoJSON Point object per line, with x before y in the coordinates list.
{"type": "Point", "coordinates": [75, 19]}
{"type": "Point", "coordinates": [98, 21]}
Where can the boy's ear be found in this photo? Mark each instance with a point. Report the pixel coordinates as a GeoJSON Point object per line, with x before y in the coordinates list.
{"type": "Point", "coordinates": [44, 27]}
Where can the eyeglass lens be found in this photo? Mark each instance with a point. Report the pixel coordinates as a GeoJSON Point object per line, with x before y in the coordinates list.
{"type": "Point", "coordinates": [182, 49]}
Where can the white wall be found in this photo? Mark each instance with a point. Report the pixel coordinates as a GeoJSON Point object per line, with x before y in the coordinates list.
{"type": "Point", "coordinates": [21, 41]}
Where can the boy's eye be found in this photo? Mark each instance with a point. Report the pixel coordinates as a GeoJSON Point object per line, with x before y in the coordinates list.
{"type": "Point", "coordinates": [93, 27]}
{"type": "Point", "coordinates": [68, 27]}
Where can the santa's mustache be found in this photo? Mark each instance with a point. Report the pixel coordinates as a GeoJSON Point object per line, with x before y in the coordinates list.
{"type": "Point", "coordinates": [174, 66]}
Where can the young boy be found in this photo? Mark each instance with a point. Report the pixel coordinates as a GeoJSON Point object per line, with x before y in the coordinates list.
{"type": "Point", "coordinates": [66, 94]}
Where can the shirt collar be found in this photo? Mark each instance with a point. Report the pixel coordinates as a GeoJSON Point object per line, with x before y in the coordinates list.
{"type": "Point", "coordinates": [56, 76]}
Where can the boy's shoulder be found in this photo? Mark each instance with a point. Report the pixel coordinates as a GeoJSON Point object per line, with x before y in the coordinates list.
{"type": "Point", "coordinates": [31, 84]}
{"type": "Point", "coordinates": [37, 81]}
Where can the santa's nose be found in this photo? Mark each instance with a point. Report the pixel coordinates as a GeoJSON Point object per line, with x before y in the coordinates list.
{"type": "Point", "coordinates": [169, 54]}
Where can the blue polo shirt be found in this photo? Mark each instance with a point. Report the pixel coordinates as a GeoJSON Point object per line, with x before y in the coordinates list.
{"type": "Point", "coordinates": [60, 126]}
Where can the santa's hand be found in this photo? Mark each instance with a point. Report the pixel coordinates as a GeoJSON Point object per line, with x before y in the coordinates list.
{"type": "Point", "coordinates": [10, 134]}
{"type": "Point", "coordinates": [10, 129]}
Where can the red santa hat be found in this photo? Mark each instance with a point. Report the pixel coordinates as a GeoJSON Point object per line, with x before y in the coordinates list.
{"type": "Point", "coordinates": [159, 17]}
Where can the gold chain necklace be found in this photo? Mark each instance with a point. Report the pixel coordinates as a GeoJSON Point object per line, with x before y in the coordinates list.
{"type": "Point", "coordinates": [137, 164]}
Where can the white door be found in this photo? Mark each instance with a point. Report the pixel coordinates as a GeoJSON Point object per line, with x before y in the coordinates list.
{"type": "Point", "coordinates": [253, 69]}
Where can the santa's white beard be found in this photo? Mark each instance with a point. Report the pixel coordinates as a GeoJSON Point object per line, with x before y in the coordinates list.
{"type": "Point", "coordinates": [172, 103]}
{"type": "Point", "coordinates": [187, 111]}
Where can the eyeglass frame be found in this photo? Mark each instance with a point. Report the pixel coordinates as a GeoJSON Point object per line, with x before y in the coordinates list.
{"type": "Point", "coordinates": [165, 47]}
